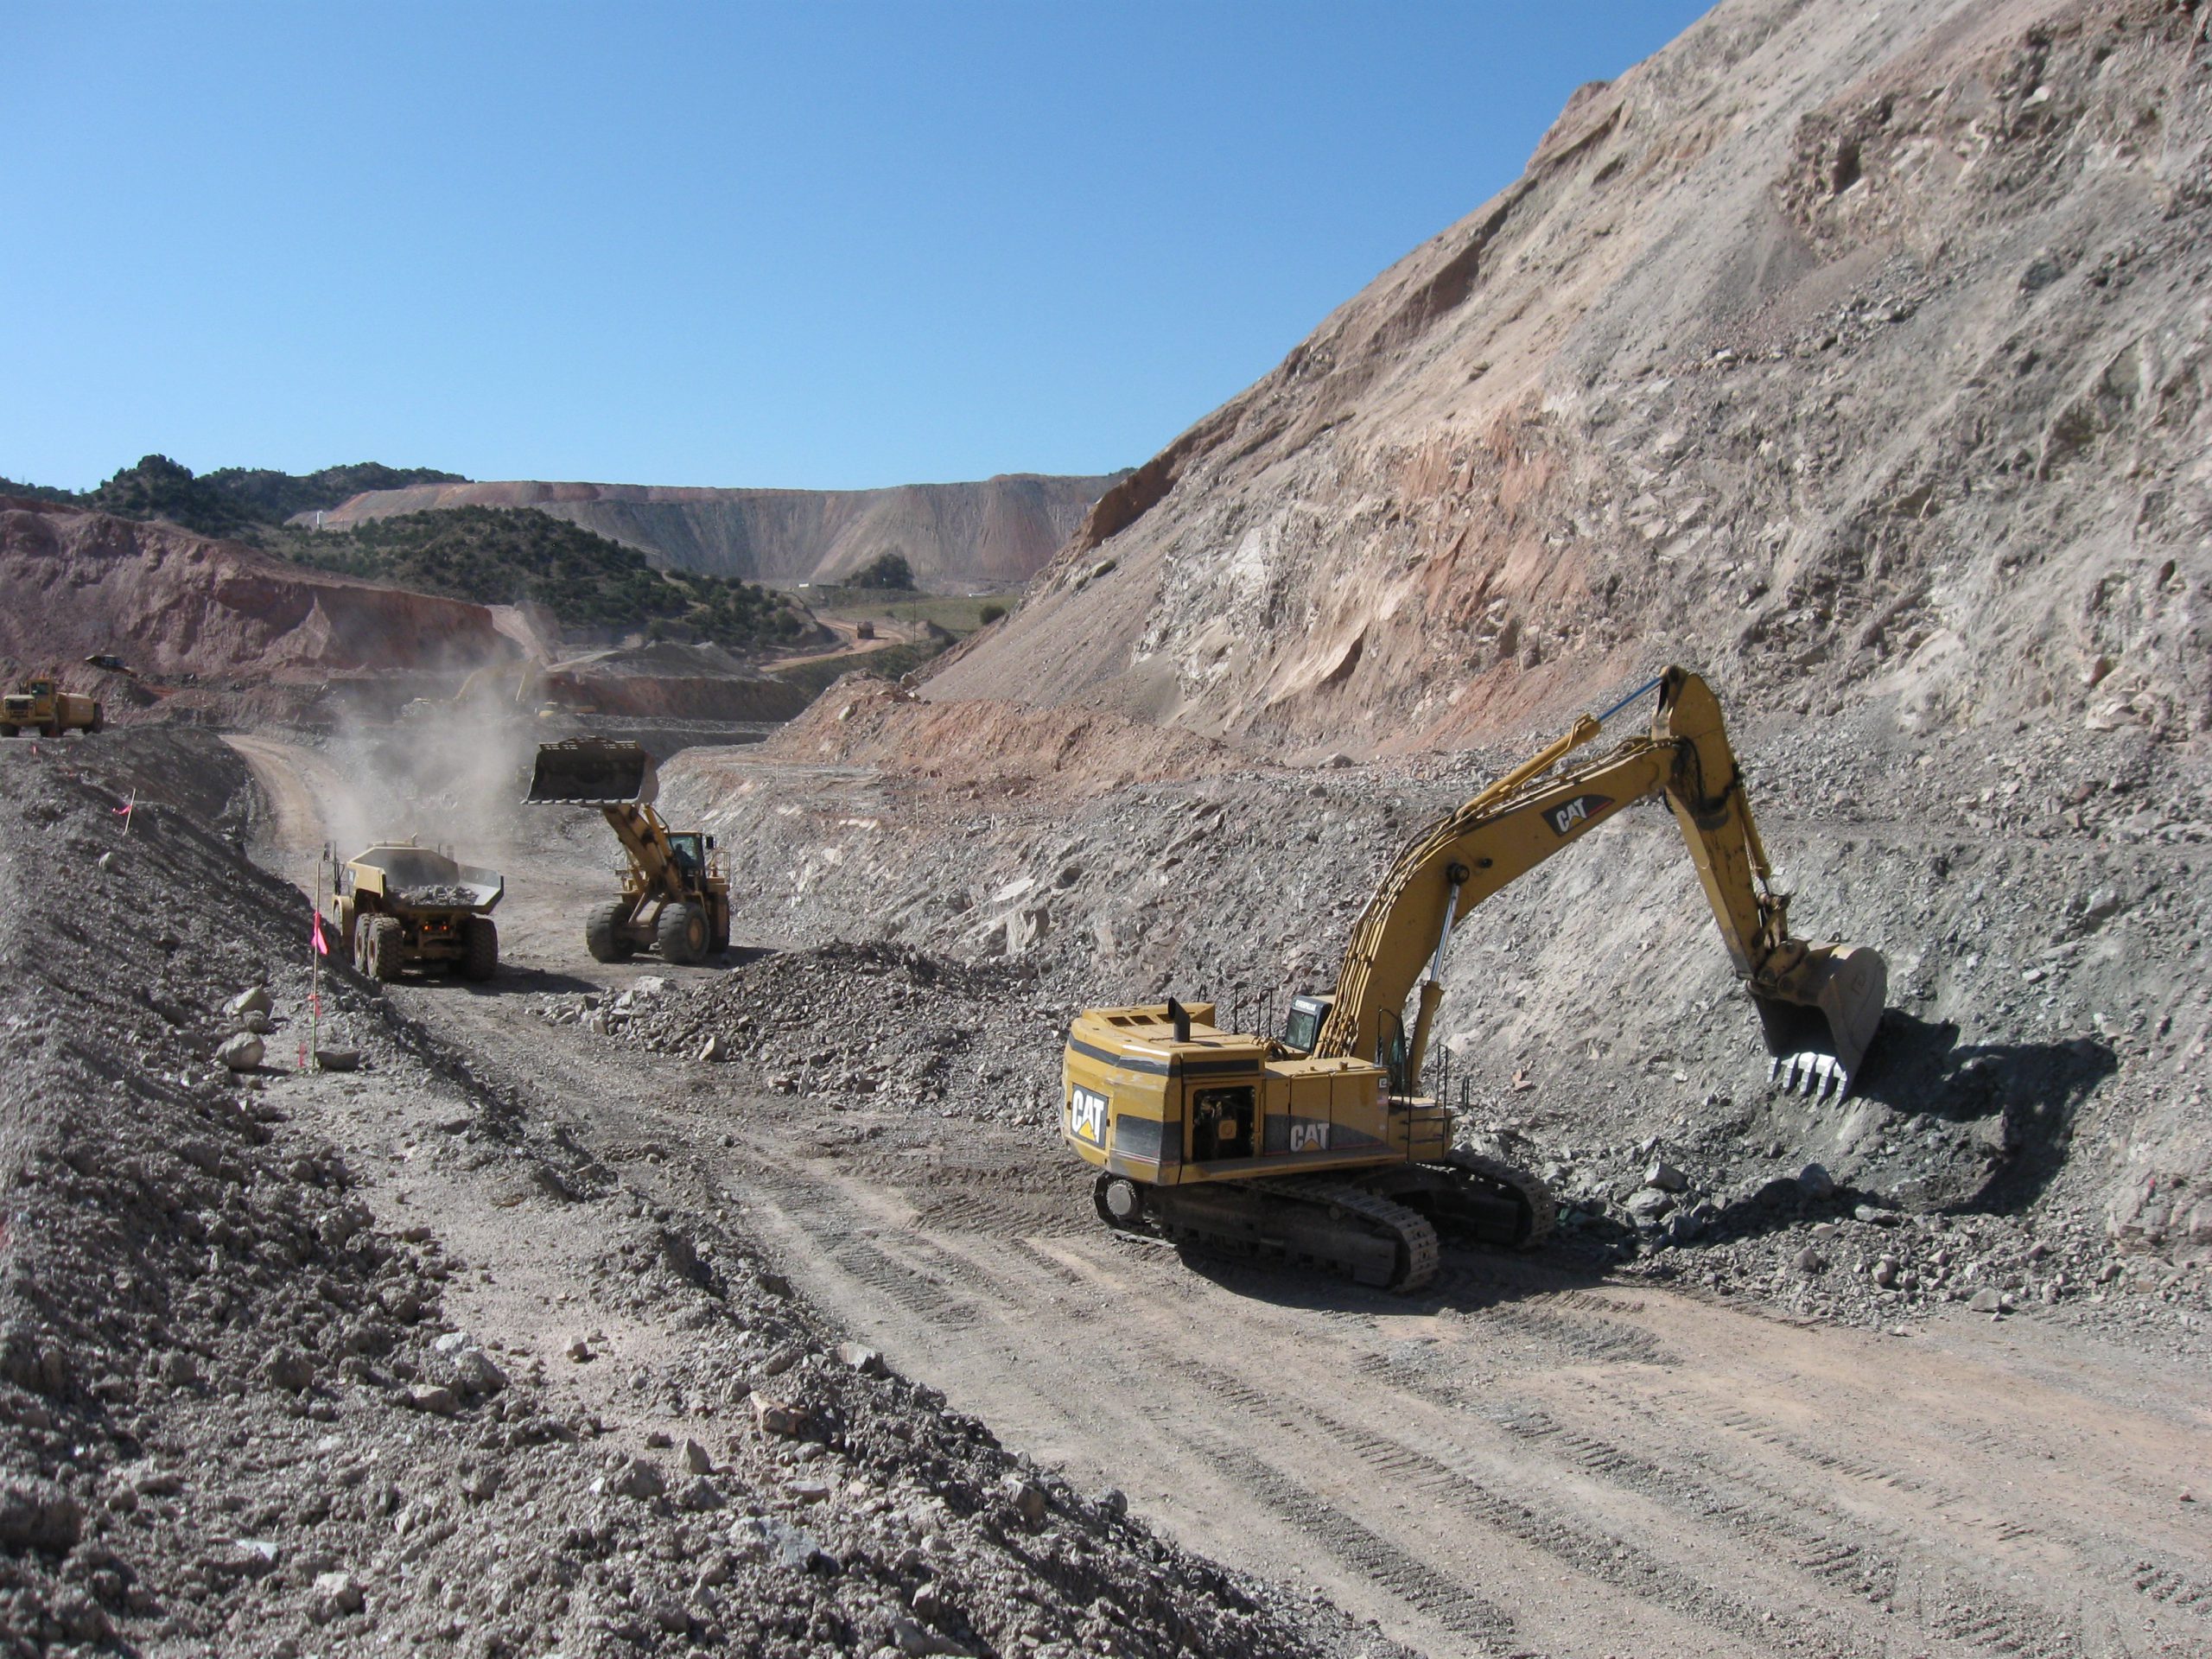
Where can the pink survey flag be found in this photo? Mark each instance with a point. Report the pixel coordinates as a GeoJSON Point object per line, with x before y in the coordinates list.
{"type": "Point", "coordinates": [321, 944]}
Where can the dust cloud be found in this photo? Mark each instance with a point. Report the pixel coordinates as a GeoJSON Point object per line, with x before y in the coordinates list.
{"type": "Point", "coordinates": [446, 775]}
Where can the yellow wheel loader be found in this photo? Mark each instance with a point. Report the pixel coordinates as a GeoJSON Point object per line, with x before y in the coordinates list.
{"type": "Point", "coordinates": [41, 706]}
{"type": "Point", "coordinates": [675, 893]}
{"type": "Point", "coordinates": [397, 905]}
{"type": "Point", "coordinates": [1318, 1146]}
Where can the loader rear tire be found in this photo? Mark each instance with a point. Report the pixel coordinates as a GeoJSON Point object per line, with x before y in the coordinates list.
{"type": "Point", "coordinates": [384, 949]}
{"type": "Point", "coordinates": [681, 934]}
{"type": "Point", "coordinates": [604, 934]}
{"type": "Point", "coordinates": [720, 942]}
{"type": "Point", "coordinates": [481, 948]}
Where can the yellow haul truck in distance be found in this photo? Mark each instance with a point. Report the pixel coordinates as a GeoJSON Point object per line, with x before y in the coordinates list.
{"type": "Point", "coordinates": [1318, 1145]}
{"type": "Point", "coordinates": [39, 705]}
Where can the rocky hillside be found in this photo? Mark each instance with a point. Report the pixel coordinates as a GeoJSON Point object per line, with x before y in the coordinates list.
{"type": "Point", "coordinates": [176, 604]}
{"type": "Point", "coordinates": [955, 536]}
{"type": "Point", "coordinates": [1859, 354]}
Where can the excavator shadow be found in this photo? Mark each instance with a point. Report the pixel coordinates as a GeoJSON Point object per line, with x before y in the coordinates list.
{"type": "Point", "coordinates": [2032, 1090]}
{"type": "Point", "coordinates": [1469, 1280]}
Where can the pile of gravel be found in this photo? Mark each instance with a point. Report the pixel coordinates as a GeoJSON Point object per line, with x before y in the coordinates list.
{"type": "Point", "coordinates": [881, 1022]}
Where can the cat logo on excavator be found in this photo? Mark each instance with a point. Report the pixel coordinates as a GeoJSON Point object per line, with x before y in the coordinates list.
{"type": "Point", "coordinates": [1577, 813]}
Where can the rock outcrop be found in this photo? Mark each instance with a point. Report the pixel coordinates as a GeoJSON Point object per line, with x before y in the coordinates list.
{"type": "Point", "coordinates": [1862, 354]}
{"type": "Point", "coordinates": [175, 604]}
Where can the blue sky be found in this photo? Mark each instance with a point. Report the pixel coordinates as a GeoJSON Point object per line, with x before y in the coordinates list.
{"type": "Point", "coordinates": [823, 246]}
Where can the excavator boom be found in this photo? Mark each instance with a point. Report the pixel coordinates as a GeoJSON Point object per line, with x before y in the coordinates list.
{"type": "Point", "coordinates": [1819, 1004]}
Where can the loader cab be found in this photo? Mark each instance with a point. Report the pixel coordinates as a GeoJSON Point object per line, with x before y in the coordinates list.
{"type": "Point", "coordinates": [1301, 1028]}
{"type": "Point", "coordinates": [690, 854]}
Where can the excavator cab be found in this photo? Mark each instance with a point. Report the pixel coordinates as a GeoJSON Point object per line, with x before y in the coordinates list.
{"type": "Point", "coordinates": [1302, 1028]}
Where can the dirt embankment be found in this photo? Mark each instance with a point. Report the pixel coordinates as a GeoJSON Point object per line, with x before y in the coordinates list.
{"type": "Point", "coordinates": [174, 604]}
{"type": "Point", "coordinates": [1863, 354]}
{"type": "Point", "coordinates": [996, 533]}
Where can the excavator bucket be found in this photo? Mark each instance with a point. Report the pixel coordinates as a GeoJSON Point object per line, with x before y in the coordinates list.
{"type": "Point", "coordinates": [592, 772]}
{"type": "Point", "coordinates": [1818, 1044]}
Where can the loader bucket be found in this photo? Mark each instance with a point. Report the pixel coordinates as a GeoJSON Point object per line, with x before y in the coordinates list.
{"type": "Point", "coordinates": [1818, 1044]}
{"type": "Point", "coordinates": [592, 772]}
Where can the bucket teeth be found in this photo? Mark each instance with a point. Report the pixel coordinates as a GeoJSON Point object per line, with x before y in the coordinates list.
{"type": "Point", "coordinates": [1815, 1075]}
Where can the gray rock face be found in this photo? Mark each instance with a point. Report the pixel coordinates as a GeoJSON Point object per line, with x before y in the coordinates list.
{"type": "Point", "coordinates": [35, 1515]}
{"type": "Point", "coordinates": [1650, 1203]}
{"type": "Point", "coordinates": [289, 1370]}
{"type": "Point", "coordinates": [337, 1595]}
{"type": "Point", "coordinates": [638, 1478]}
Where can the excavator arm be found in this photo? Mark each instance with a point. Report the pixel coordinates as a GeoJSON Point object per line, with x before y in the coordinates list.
{"type": "Point", "coordinates": [1819, 1004]}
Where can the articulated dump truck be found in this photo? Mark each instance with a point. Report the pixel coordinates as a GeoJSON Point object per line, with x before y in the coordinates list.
{"type": "Point", "coordinates": [398, 906]}
{"type": "Point", "coordinates": [675, 895]}
{"type": "Point", "coordinates": [1316, 1145]}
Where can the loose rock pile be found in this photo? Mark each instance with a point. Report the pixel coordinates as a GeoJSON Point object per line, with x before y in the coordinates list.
{"type": "Point", "coordinates": [876, 1022]}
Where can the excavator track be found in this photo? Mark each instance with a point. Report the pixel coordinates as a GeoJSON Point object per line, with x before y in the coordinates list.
{"type": "Point", "coordinates": [1540, 1210]}
{"type": "Point", "coordinates": [1419, 1251]}
{"type": "Point", "coordinates": [1321, 1221]}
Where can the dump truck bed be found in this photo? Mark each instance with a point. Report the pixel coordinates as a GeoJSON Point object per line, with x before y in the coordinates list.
{"type": "Point", "coordinates": [418, 877]}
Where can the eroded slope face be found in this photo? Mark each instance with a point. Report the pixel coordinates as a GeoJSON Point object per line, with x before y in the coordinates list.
{"type": "Point", "coordinates": [1858, 354]}
{"type": "Point", "coordinates": [995, 533]}
{"type": "Point", "coordinates": [176, 603]}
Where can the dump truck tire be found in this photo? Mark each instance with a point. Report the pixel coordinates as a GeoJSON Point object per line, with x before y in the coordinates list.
{"type": "Point", "coordinates": [98, 719]}
{"type": "Point", "coordinates": [386, 948]}
{"type": "Point", "coordinates": [681, 933]}
{"type": "Point", "coordinates": [6, 731]}
{"type": "Point", "coordinates": [480, 944]}
{"type": "Point", "coordinates": [604, 934]}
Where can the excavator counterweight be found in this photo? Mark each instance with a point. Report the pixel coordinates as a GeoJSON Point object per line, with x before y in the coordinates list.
{"type": "Point", "coordinates": [1318, 1145]}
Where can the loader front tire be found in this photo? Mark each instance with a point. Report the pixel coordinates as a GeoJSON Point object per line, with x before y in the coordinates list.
{"type": "Point", "coordinates": [604, 934]}
{"type": "Point", "coordinates": [481, 948]}
{"type": "Point", "coordinates": [681, 933]}
{"type": "Point", "coordinates": [384, 949]}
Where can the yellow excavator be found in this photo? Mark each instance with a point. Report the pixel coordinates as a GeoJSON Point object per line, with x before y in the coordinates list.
{"type": "Point", "coordinates": [675, 893]}
{"type": "Point", "coordinates": [1317, 1147]}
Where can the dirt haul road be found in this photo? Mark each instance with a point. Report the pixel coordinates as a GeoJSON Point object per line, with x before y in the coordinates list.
{"type": "Point", "coordinates": [1517, 1461]}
